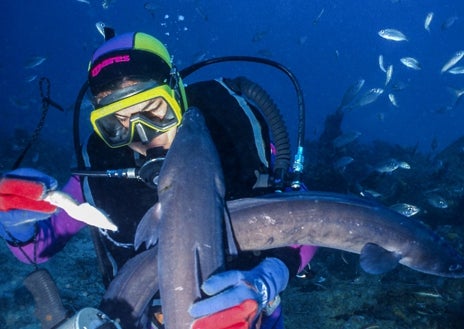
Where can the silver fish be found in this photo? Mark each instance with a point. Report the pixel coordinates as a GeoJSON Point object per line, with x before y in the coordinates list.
{"type": "Point", "coordinates": [369, 97]}
{"type": "Point", "coordinates": [101, 28]}
{"type": "Point", "coordinates": [411, 62]}
{"type": "Point", "coordinates": [31, 78]}
{"type": "Point", "coordinates": [449, 22]}
{"type": "Point", "coordinates": [393, 35]}
{"type": "Point", "coordinates": [34, 61]}
{"type": "Point", "coordinates": [351, 93]}
{"type": "Point", "coordinates": [437, 201]}
{"type": "Point", "coordinates": [381, 64]}
{"type": "Point", "coordinates": [428, 20]}
{"type": "Point", "coordinates": [341, 163]}
{"type": "Point", "coordinates": [404, 165]}
{"type": "Point", "coordinates": [368, 193]}
{"type": "Point", "coordinates": [405, 209]}
{"type": "Point", "coordinates": [392, 99]}
{"type": "Point", "coordinates": [388, 74]}
{"type": "Point", "coordinates": [456, 70]}
{"type": "Point", "coordinates": [345, 138]}
{"type": "Point", "coordinates": [106, 4]}
{"type": "Point", "coordinates": [452, 61]}
{"type": "Point", "coordinates": [391, 165]}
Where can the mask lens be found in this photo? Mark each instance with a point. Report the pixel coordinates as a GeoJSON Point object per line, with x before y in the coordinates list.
{"type": "Point", "coordinates": [142, 126]}
{"type": "Point", "coordinates": [113, 131]}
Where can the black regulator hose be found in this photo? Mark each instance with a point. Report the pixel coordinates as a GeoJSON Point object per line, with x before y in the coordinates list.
{"type": "Point", "coordinates": [260, 98]}
{"type": "Point", "coordinates": [298, 164]}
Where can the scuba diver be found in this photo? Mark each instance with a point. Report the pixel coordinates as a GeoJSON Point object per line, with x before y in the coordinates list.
{"type": "Point", "coordinates": [139, 99]}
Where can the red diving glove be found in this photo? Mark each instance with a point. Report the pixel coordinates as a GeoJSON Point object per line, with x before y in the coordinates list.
{"type": "Point", "coordinates": [238, 297]}
{"type": "Point", "coordinates": [21, 204]}
{"type": "Point", "coordinates": [24, 189]}
{"type": "Point", "coordinates": [237, 317]}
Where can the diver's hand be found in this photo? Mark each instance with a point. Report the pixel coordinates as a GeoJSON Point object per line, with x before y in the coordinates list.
{"type": "Point", "coordinates": [21, 202]}
{"type": "Point", "coordinates": [239, 295]}
{"type": "Point", "coordinates": [238, 317]}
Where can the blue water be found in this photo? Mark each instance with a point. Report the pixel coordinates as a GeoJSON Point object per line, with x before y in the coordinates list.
{"type": "Point", "coordinates": [327, 54]}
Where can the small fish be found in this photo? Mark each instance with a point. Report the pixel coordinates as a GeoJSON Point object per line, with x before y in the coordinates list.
{"type": "Point", "coordinates": [369, 97]}
{"type": "Point", "coordinates": [34, 61]}
{"type": "Point", "coordinates": [430, 294]}
{"type": "Point", "coordinates": [106, 4]}
{"type": "Point", "coordinates": [405, 209]}
{"type": "Point", "coordinates": [345, 138]}
{"type": "Point", "coordinates": [452, 61]}
{"type": "Point", "coordinates": [411, 62]}
{"type": "Point", "coordinates": [392, 100]}
{"type": "Point", "coordinates": [100, 27]}
{"type": "Point", "coordinates": [316, 20]}
{"type": "Point", "coordinates": [404, 165]}
{"type": "Point", "coordinates": [84, 1]}
{"type": "Point", "coordinates": [437, 201]}
{"type": "Point", "coordinates": [456, 70]}
{"type": "Point", "coordinates": [391, 165]}
{"type": "Point", "coordinates": [371, 194]}
{"type": "Point", "coordinates": [449, 22]}
{"type": "Point", "coordinates": [388, 74]}
{"type": "Point", "coordinates": [392, 34]}
{"type": "Point", "coordinates": [428, 20]}
{"type": "Point", "coordinates": [459, 94]}
{"type": "Point", "coordinates": [387, 166]}
{"type": "Point", "coordinates": [381, 64]}
{"type": "Point", "coordinates": [340, 164]}
{"type": "Point", "coordinates": [351, 93]}
{"type": "Point", "coordinates": [31, 78]}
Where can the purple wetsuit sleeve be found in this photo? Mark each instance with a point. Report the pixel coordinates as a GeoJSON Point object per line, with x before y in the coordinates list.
{"type": "Point", "coordinates": [52, 233]}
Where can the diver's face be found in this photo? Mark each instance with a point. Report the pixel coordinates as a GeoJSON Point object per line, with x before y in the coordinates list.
{"type": "Point", "coordinates": [155, 109]}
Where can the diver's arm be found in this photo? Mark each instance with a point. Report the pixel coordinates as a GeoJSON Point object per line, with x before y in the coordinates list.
{"type": "Point", "coordinates": [53, 233]}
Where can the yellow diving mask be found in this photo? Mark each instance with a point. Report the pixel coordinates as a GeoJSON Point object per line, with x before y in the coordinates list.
{"type": "Point", "coordinates": [136, 113]}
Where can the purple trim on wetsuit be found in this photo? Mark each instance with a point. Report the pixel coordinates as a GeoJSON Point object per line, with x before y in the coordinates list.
{"type": "Point", "coordinates": [54, 232]}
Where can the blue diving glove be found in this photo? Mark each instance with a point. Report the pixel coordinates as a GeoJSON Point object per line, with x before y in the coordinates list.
{"type": "Point", "coordinates": [21, 204]}
{"type": "Point", "coordinates": [231, 288]}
